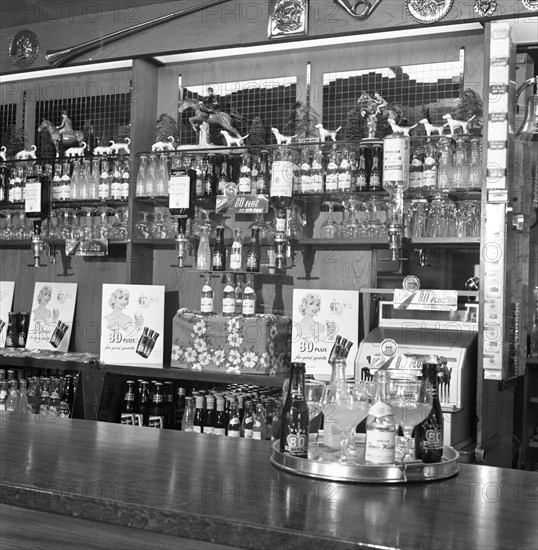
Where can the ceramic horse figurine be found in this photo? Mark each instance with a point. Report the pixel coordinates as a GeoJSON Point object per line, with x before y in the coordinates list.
{"type": "Point", "coordinates": [218, 118]}
{"type": "Point", "coordinates": [67, 138]}
{"type": "Point", "coordinates": [375, 107]}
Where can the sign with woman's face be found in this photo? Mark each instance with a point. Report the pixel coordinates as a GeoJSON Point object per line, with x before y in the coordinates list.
{"type": "Point", "coordinates": [7, 289]}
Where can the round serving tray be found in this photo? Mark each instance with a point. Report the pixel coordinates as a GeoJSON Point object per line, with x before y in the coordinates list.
{"type": "Point", "coordinates": [324, 464]}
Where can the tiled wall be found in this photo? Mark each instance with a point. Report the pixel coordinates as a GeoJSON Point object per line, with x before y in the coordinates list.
{"type": "Point", "coordinates": [8, 117]}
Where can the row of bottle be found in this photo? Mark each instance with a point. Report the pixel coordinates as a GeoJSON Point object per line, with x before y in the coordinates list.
{"type": "Point", "coordinates": [96, 179]}
{"type": "Point", "coordinates": [48, 396]}
{"type": "Point", "coordinates": [235, 413]}
{"type": "Point", "coordinates": [236, 298]}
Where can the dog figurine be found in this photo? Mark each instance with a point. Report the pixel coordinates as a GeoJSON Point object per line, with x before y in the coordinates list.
{"type": "Point", "coordinates": [76, 151]}
{"type": "Point", "coordinates": [402, 129]}
{"type": "Point", "coordinates": [26, 153]}
{"type": "Point", "coordinates": [231, 140]}
{"type": "Point", "coordinates": [3, 153]}
{"type": "Point", "coordinates": [281, 139]}
{"type": "Point", "coordinates": [454, 124]}
{"type": "Point", "coordinates": [163, 145]}
{"type": "Point", "coordinates": [430, 128]}
{"type": "Point", "coordinates": [101, 150]}
{"type": "Point", "coordinates": [324, 134]}
{"type": "Point", "coordinates": [116, 148]}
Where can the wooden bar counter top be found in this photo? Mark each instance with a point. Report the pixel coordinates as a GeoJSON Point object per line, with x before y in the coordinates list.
{"type": "Point", "coordinates": [135, 487]}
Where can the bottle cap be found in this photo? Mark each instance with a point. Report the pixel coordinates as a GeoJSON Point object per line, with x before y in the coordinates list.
{"type": "Point", "coordinates": [200, 402]}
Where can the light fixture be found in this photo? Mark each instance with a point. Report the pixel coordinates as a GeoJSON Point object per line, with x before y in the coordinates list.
{"type": "Point", "coordinates": [529, 128]}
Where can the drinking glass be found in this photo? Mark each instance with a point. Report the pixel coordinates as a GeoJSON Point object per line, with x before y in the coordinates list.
{"type": "Point", "coordinates": [298, 222]}
{"type": "Point", "coordinates": [142, 226]}
{"type": "Point", "coordinates": [330, 228]}
{"type": "Point", "coordinates": [103, 228]}
{"type": "Point", "coordinates": [159, 226]}
{"type": "Point", "coordinates": [266, 231]}
{"type": "Point", "coordinates": [350, 227]}
{"type": "Point", "coordinates": [378, 216]}
{"type": "Point", "coordinates": [411, 402]}
{"type": "Point", "coordinates": [119, 227]}
{"type": "Point", "coordinates": [7, 231]}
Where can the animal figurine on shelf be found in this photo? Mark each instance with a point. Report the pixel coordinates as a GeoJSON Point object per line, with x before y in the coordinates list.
{"type": "Point", "coordinates": [26, 154]}
{"type": "Point", "coordinates": [454, 124]}
{"type": "Point", "coordinates": [163, 145]}
{"type": "Point", "coordinates": [282, 139]}
{"type": "Point", "coordinates": [430, 128]}
{"type": "Point", "coordinates": [117, 148]}
{"type": "Point", "coordinates": [76, 151]}
{"type": "Point", "coordinates": [324, 134]}
{"type": "Point", "coordinates": [3, 153]}
{"type": "Point", "coordinates": [101, 150]}
{"type": "Point", "coordinates": [401, 129]}
{"type": "Point", "coordinates": [232, 140]}
{"type": "Point", "coordinates": [63, 135]}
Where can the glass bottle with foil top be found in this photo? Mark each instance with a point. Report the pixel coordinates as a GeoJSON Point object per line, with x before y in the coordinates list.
{"type": "Point", "coordinates": [396, 155]}
{"type": "Point", "coordinates": [295, 419]}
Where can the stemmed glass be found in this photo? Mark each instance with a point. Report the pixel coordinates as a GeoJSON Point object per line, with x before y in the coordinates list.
{"type": "Point", "coordinates": [7, 231]}
{"type": "Point", "coordinates": [266, 231]}
{"type": "Point", "coordinates": [119, 227]}
{"type": "Point", "coordinates": [351, 228]}
{"type": "Point", "coordinates": [143, 227]}
{"type": "Point", "coordinates": [103, 229]}
{"type": "Point", "coordinates": [159, 226]}
{"type": "Point", "coordinates": [411, 402]}
{"type": "Point", "coordinates": [330, 228]}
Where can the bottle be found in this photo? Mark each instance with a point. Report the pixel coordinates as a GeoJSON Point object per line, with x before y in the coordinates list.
{"type": "Point", "coordinates": [188, 416]}
{"type": "Point", "coordinates": [93, 180]}
{"type": "Point", "coordinates": [281, 193]}
{"type": "Point", "coordinates": [416, 168]}
{"type": "Point", "coordinates": [104, 181]}
{"type": "Point", "coordinates": [236, 256]}
{"type": "Point", "coordinates": [34, 396]}
{"type": "Point", "coordinates": [259, 426]}
{"type": "Point", "coordinates": [209, 423]}
{"type": "Point", "coordinates": [254, 251]}
{"type": "Point", "coordinates": [219, 251]}
{"type": "Point", "coordinates": [249, 298]}
{"type": "Point", "coordinates": [206, 297]}
{"type": "Point", "coordinates": [262, 181]}
{"type": "Point", "coordinates": [181, 188]}
{"type": "Point", "coordinates": [294, 424]}
{"type": "Point", "coordinates": [44, 396]}
{"type": "Point", "coordinates": [124, 186]}
{"type": "Point", "coordinates": [331, 178]}
{"type": "Point", "coordinates": [228, 296]}
{"type": "Point", "coordinates": [156, 410]}
{"type": "Point", "coordinates": [380, 424]}
{"type": "Point", "coordinates": [396, 156]}
{"type": "Point", "coordinates": [115, 182]}
{"type": "Point", "coordinates": [334, 395]}
{"type": "Point", "coordinates": [12, 399]}
{"type": "Point", "coordinates": [209, 176]}
{"type": "Point", "coordinates": [245, 176]}
{"type": "Point", "coordinates": [361, 183]}
{"type": "Point", "coordinates": [234, 422]}
{"type": "Point", "coordinates": [475, 166]}
{"type": "Point", "coordinates": [143, 405]}
{"type": "Point", "coordinates": [65, 189]}
{"type": "Point", "coordinates": [168, 406]}
{"type": "Point", "coordinates": [429, 433]}
{"type": "Point", "coordinates": [4, 393]}
{"type": "Point", "coordinates": [316, 180]}
{"type": "Point", "coordinates": [223, 175]}
{"type": "Point", "coordinates": [141, 176]}
{"type": "Point", "coordinates": [305, 185]}
{"type": "Point", "coordinates": [203, 254]}
{"type": "Point", "coordinates": [23, 395]}
{"type": "Point", "coordinates": [68, 398]}
{"type": "Point", "coordinates": [239, 296]}
{"type": "Point", "coordinates": [445, 165]}
{"type": "Point", "coordinates": [248, 419]}
{"type": "Point", "coordinates": [36, 198]}
{"type": "Point", "coordinates": [429, 168]}
{"type": "Point", "coordinates": [161, 176]}
{"type": "Point", "coordinates": [375, 183]}
{"type": "Point", "coordinates": [57, 182]}
{"type": "Point", "coordinates": [151, 175]}
{"type": "Point", "coordinates": [128, 407]}
{"type": "Point", "coordinates": [198, 173]}
{"type": "Point", "coordinates": [344, 172]}
{"type": "Point", "coordinates": [179, 408]}
{"type": "Point", "coordinates": [461, 167]}
{"type": "Point", "coordinates": [198, 420]}
{"type": "Point", "coordinates": [220, 418]}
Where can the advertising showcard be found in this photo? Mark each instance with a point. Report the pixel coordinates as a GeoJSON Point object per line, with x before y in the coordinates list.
{"type": "Point", "coordinates": [7, 289]}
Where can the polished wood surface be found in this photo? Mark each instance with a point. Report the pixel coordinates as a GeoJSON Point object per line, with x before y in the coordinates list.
{"type": "Point", "coordinates": [226, 491]}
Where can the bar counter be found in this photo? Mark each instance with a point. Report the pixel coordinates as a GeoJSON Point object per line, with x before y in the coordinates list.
{"type": "Point", "coordinates": [144, 484]}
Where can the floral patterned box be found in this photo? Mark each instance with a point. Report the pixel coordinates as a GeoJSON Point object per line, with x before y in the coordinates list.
{"type": "Point", "coordinates": [248, 345]}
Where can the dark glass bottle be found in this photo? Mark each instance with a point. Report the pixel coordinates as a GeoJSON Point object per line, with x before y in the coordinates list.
{"type": "Point", "coordinates": [248, 418]}
{"type": "Point", "coordinates": [181, 188]}
{"type": "Point", "coordinates": [220, 418]}
{"type": "Point", "coordinates": [198, 423]}
{"type": "Point", "coordinates": [143, 404]}
{"type": "Point", "coordinates": [254, 252]}
{"type": "Point", "coordinates": [219, 251]}
{"type": "Point", "coordinates": [375, 171]}
{"type": "Point", "coordinates": [168, 405]}
{"type": "Point", "coordinates": [262, 179]}
{"type": "Point", "coordinates": [209, 423]}
{"type": "Point", "coordinates": [156, 410]}
{"type": "Point", "coordinates": [294, 428]}
{"type": "Point", "coordinates": [209, 177]}
{"type": "Point", "coordinates": [223, 175]}
{"type": "Point", "coordinates": [362, 171]}
{"type": "Point", "coordinates": [429, 433]}
{"type": "Point", "coordinates": [234, 423]}
{"type": "Point", "coordinates": [128, 407]}
{"type": "Point", "coordinates": [68, 398]}
{"type": "Point", "coordinates": [36, 197]}
{"type": "Point", "coordinates": [179, 408]}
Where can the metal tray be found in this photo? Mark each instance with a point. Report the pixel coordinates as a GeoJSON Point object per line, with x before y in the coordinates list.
{"type": "Point", "coordinates": [324, 464]}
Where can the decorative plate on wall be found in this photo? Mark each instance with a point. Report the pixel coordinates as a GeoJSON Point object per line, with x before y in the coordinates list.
{"type": "Point", "coordinates": [288, 18]}
{"type": "Point", "coordinates": [23, 49]}
{"type": "Point", "coordinates": [428, 11]}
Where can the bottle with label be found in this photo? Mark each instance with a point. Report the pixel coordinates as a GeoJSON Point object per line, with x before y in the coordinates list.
{"type": "Point", "coordinates": [475, 166]}
{"type": "Point", "coordinates": [124, 186]}
{"type": "Point", "coordinates": [161, 176]}
{"type": "Point", "coordinates": [254, 251]}
{"type": "Point", "coordinates": [259, 425]}
{"type": "Point", "coordinates": [68, 398]}
{"type": "Point", "coordinates": [380, 424]}
{"type": "Point", "coordinates": [445, 168]}
{"type": "Point", "coordinates": [228, 296]}
{"type": "Point", "coordinates": [461, 167]}
{"type": "Point", "coordinates": [76, 191]}
{"type": "Point", "coordinates": [179, 408]}
{"type": "Point", "coordinates": [36, 199]}
{"type": "Point", "coordinates": [344, 172]}
{"type": "Point", "coordinates": [115, 182]}
{"type": "Point", "coordinates": [236, 255]}
{"type": "Point", "coordinates": [209, 176]}
{"type": "Point", "coordinates": [143, 404]}
{"type": "Point", "coordinates": [245, 175]}
{"type": "Point", "coordinates": [34, 397]}
{"type": "Point", "coordinates": [396, 156]}
{"type": "Point", "coordinates": [429, 434]}
{"type": "Point", "coordinates": [220, 418]}
{"type": "Point", "coordinates": [331, 178]}
{"type": "Point", "coordinates": [247, 422]}
{"type": "Point", "coordinates": [429, 168]}
{"type": "Point", "coordinates": [93, 180]}
{"type": "Point", "coordinates": [23, 395]}
{"type": "Point", "coordinates": [156, 410]}
{"type": "Point", "coordinates": [168, 406]}
{"type": "Point", "coordinates": [151, 175]}
{"type": "Point", "coordinates": [141, 176]}
{"type": "Point", "coordinates": [203, 255]}
{"type": "Point", "coordinates": [198, 421]}
{"type": "Point", "coordinates": [104, 181]}
{"type": "Point", "coordinates": [376, 181]}
{"type": "Point", "coordinates": [12, 399]}
{"type": "Point", "coordinates": [219, 251]}
{"type": "Point", "coordinates": [181, 188]}
{"type": "Point", "coordinates": [249, 298]}
{"type": "Point", "coordinates": [197, 170]}
{"type": "Point", "coordinates": [65, 190]}
{"type": "Point", "coordinates": [416, 168]}
{"type": "Point", "coordinates": [335, 395]}
{"type": "Point", "coordinates": [316, 180]}
{"type": "Point", "coordinates": [295, 419]}
{"type": "Point", "coordinates": [361, 183]}
{"type": "Point", "coordinates": [239, 295]}
{"type": "Point", "coordinates": [281, 194]}
{"type": "Point", "coordinates": [234, 422]}
{"type": "Point", "coordinates": [188, 416]}
{"type": "Point", "coordinates": [262, 180]}
{"type": "Point", "coordinates": [209, 423]}
{"type": "Point", "coordinates": [57, 182]}
{"type": "Point", "coordinates": [128, 407]}
{"type": "Point", "coordinates": [223, 175]}
{"type": "Point", "coordinates": [206, 296]}
{"type": "Point", "coordinates": [305, 185]}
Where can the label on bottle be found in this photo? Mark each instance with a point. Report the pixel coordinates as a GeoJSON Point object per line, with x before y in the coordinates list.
{"type": "Point", "coordinates": [257, 434]}
{"type": "Point", "coordinates": [331, 181]}
{"type": "Point", "coordinates": [234, 433]}
{"type": "Point", "coordinates": [249, 305]}
{"type": "Point", "coordinates": [282, 179]}
{"type": "Point", "coordinates": [228, 305]}
{"type": "Point", "coordinates": [236, 257]}
{"type": "Point", "coordinates": [217, 260]}
{"type": "Point", "coordinates": [17, 190]}
{"type": "Point", "coordinates": [248, 433]}
{"type": "Point", "coordinates": [127, 418]}
{"type": "Point", "coordinates": [209, 430]}
{"type": "Point", "coordinates": [244, 184]}
{"type": "Point", "coordinates": [32, 197]}
{"type": "Point", "coordinates": [296, 444]}
{"type": "Point", "coordinates": [178, 191]}
{"type": "Point", "coordinates": [344, 180]}
{"type": "Point", "coordinates": [396, 159]}
{"type": "Point", "coordinates": [156, 422]}
{"type": "Point", "coordinates": [433, 438]}
{"type": "Point", "coordinates": [219, 431]}
{"type": "Point", "coordinates": [380, 446]}
{"type": "Point", "coordinates": [361, 181]}
{"type": "Point", "coordinates": [138, 419]}
{"type": "Point", "coordinates": [124, 187]}
{"type": "Point", "coordinates": [429, 175]}
{"type": "Point", "coordinates": [197, 429]}
{"type": "Point", "coordinates": [206, 304]}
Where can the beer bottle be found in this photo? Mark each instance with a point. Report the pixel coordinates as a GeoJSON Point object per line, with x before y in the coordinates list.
{"type": "Point", "coordinates": [429, 433]}
{"type": "Point", "coordinates": [219, 251]}
{"type": "Point", "coordinates": [234, 424]}
{"type": "Point", "coordinates": [168, 405]}
{"type": "Point", "coordinates": [206, 297]}
{"type": "Point", "coordinates": [156, 410]}
{"type": "Point", "coordinates": [188, 415]}
{"type": "Point", "coordinates": [245, 175]}
{"type": "Point", "coordinates": [246, 428]}
{"type": "Point", "coordinates": [236, 256]}
{"type": "Point", "coordinates": [249, 298]}
{"type": "Point", "coordinates": [375, 172]}
{"type": "Point", "coordinates": [143, 405]}
{"type": "Point", "coordinates": [128, 408]}
{"type": "Point", "coordinates": [198, 421]}
{"type": "Point", "coordinates": [209, 424]}
{"type": "Point", "coordinates": [228, 296]}
{"type": "Point", "coordinates": [294, 428]}
{"type": "Point", "coordinates": [259, 426]}
{"type": "Point", "coordinates": [254, 251]}
{"type": "Point", "coordinates": [68, 399]}
{"type": "Point", "coordinates": [179, 408]}
{"type": "Point", "coordinates": [220, 420]}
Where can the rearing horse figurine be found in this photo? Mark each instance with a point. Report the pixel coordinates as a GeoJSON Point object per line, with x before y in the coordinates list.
{"type": "Point", "coordinates": [65, 136]}
{"type": "Point", "coordinates": [217, 117]}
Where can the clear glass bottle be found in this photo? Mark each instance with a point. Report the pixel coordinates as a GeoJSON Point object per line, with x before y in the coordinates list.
{"type": "Point", "coordinates": [239, 295]}
{"type": "Point", "coordinates": [475, 166]}
{"type": "Point", "coordinates": [331, 178]}
{"type": "Point", "coordinates": [344, 172]}
{"type": "Point", "coordinates": [249, 298]}
{"type": "Point", "coordinates": [245, 178]}
{"type": "Point", "coordinates": [161, 177]}
{"type": "Point", "coordinates": [316, 180]}
{"type": "Point", "coordinates": [141, 176]}
{"type": "Point", "coordinates": [460, 179]}
{"type": "Point", "coordinates": [254, 251]}
{"type": "Point", "coordinates": [234, 422]}
{"type": "Point", "coordinates": [203, 255]}
{"type": "Point", "coordinates": [56, 183]}
{"type": "Point", "coordinates": [295, 419]}
{"type": "Point", "coordinates": [445, 168]}
{"type": "Point", "coordinates": [124, 186]}
{"type": "Point", "coordinates": [228, 296]}
{"type": "Point", "coordinates": [259, 425]}
{"type": "Point", "coordinates": [188, 416]}
{"type": "Point", "coordinates": [305, 185]}
{"type": "Point", "coordinates": [380, 424]}
{"type": "Point", "coordinates": [198, 169]}
{"type": "Point", "coordinates": [282, 175]}
{"type": "Point", "coordinates": [429, 168]}
{"type": "Point", "coordinates": [65, 190]}
{"type": "Point", "coordinates": [104, 181]}
{"type": "Point", "coordinates": [236, 256]}
{"type": "Point", "coordinates": [206, 296]}
{"type": "Point", "coordinates": [151, 175]}
{"type": "Point", "coordinates": [335, 394]}
{"type": "Point", "coordinates": [416, 168]}
{"type": "Point", "coordinates": [115, 182]}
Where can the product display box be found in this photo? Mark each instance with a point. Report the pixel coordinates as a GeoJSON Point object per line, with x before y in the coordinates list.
{"type": "Point", "coordinates": [239, 345]}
